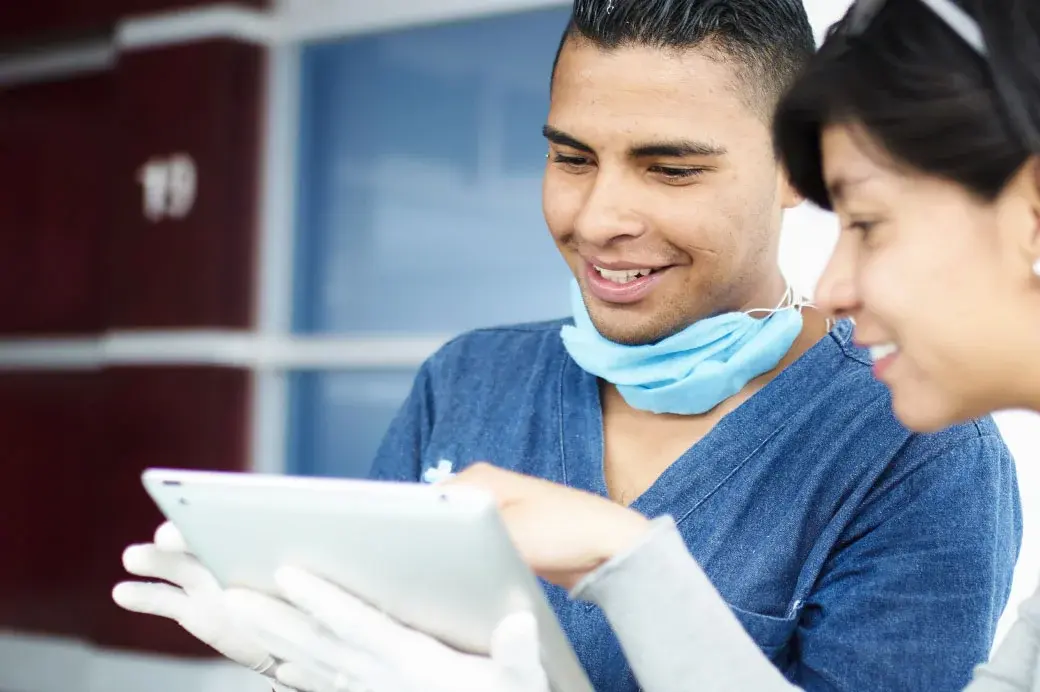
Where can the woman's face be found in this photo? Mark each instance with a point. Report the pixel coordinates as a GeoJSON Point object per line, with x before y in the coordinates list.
{"type": "Point", "coordinates": [939, 283]}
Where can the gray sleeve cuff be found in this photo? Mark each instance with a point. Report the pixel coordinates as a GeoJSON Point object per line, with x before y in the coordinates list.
{"type": "Point", "coordinates": [1015, 667]}
{"type": "Point", "coordinates": [674, 627]}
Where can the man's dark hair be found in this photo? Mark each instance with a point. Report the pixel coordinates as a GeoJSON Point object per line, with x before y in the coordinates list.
{"type": "Point", "coordinates": [917, 89]}
{"type": "Point", "coordinates": [768, 40]}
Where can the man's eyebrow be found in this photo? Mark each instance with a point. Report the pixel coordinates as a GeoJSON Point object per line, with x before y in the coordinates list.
{"type": "Point", "coordinates": [680, 148]}
{"type": "Point", "coordinates": [677, 149]}
{"type": "Point", "coordinates": [563, 139]}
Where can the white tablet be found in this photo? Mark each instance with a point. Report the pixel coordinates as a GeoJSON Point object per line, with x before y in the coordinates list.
{"type": "Point", "coordinates": [435, 558]}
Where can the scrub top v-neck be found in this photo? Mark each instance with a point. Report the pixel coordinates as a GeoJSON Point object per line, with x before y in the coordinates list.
{"type": "Point", "coordinates": [707, 464]}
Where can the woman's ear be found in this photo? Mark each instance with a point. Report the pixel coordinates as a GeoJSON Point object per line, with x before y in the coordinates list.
{"type": "Point", "coordinates": [1032, 194]}
{"type": "Point", "coordinates": [1020, 213]}
{"type": "Point", "coordinates": [789, 196]}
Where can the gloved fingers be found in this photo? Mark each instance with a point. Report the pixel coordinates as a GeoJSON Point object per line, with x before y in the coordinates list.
{"type": "Point", "coordinates": [358, 624]}
{"type": "Point", "coordinates": [515, 649]}
{"type": "Point", "coordinates": [148, 560]}
{"type": "Point", "coordinates": [201, 618]}
{"type": "Point", "coordinates": [230, 640]}
{"type": "Point", "coordinates": [307, 679]}
{"type": "Point", "coordinates": [168, 537]}
{"type": "Point", "coordinates": [302, 679]}
{"type": "Point", "coordinates": [291, 635]}
{"type": "Point", "coordinates": [277, 686]}
{"type": "Point", "coordinates": [152, 598]}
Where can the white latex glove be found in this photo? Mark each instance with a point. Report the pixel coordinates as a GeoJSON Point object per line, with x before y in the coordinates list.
{"type": "Point", "coordinates": [333, 642]}
{"type": "Point", "coordinates": [193, 598]}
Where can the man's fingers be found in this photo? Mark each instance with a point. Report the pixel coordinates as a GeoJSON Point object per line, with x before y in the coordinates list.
{"type": "Point", "coordinates": [168, 537]}
{"type": "Point", "coordinates": [200, 617]}
{"type": "Point", "coordinates": [515, 648]}
{"type": "Point", "coordinates": [163, 600]}
{"type": "Point", "coordinates": [148, 560]}
{"type": "Point", "coordinates": [505, 486]}
{"type": "Point", "coordinates": [306, 679]}
{"type": "Point", "coordinates": [275, 627]}
{"type": "Point", "coordinates": [358, 624]}
{"type": "Point", "coordinates": [289, 634]}
{"type": "Point", "coordinates": [227, 638]}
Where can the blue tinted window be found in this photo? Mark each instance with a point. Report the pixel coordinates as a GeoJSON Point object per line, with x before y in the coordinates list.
{"type": "Point", "coordinates": [420, 171]}
{"type": "Point", "coordinates": [419, 208]}
{"type": "Point", "coordinates": [337, 419]}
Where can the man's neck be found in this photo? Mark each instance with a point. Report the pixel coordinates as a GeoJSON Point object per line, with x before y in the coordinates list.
{"type": "Point", "coordinates": [814, 328]}
{"type": "Point", "coordinates": [769, 295]}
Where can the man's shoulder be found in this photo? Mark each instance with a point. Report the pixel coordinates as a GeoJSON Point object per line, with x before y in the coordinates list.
{"type": "Point", "coordinates": [505, 347]}
{"type": "Point", "coordinates": [849, 397]}
{"type": "Point", "coordinates": [975, 443]}
{"type": "Point", "coordinates": [977, 440]}
{"type": "Point", "coordinates": [510, 333]}
{"type": "Point", "coordinates": [857, 369]}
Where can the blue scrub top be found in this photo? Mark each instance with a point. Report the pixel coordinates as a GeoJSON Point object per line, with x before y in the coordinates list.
{"type": "Point", "coordinates": [858, 555]}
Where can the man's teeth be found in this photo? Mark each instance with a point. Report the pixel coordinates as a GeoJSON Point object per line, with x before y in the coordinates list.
{"type": "Point", "coordinates": [622, 276]}
{"type": "Point", "coordinates": [883, 351]}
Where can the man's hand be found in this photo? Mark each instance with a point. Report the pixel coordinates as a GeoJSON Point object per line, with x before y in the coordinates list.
{"type": "Point", "coordinates": [192, 598]}
{"type": "Point", "coordinates": [562, 533]}
{"type": "Point", "coordinates": [332, 642]}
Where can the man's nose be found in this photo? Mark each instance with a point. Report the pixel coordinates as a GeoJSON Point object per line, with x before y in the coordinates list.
{"type": "Point", "coordinates": [611, 210]}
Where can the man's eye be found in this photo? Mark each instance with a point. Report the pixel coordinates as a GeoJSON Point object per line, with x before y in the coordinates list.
{"type": "Point", "coordinates": [677, 173]}
{"type": "Point", "coordinates": [576, 161]}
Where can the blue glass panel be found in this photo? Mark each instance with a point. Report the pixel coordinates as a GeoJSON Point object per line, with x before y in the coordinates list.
{"type": "Point", "coordinates": [419, 205]}
{"type": "Point", "coordinates": [338, 419]}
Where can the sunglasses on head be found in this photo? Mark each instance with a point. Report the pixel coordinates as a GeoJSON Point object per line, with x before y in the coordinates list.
{"type": "Point", "coordinates": [864, 11]}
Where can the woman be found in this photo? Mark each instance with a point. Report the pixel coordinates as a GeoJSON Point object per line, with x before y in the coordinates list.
{"type": "Point", "coordinates": [919, 123]}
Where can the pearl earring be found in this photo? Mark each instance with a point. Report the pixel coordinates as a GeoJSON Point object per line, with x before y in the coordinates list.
{"type": "Point", "coordinates": [1036, 267]}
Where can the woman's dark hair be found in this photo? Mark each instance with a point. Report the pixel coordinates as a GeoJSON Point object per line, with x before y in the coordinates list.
{"type": "Point", "coordinates": [922, 93]}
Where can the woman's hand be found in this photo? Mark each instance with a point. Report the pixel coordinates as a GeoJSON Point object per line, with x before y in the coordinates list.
{"type": "Point", "coordinates": [562, 533]}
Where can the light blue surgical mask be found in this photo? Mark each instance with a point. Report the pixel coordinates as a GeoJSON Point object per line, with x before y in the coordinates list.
{"type": "Point", "coordinates": [690, 372]}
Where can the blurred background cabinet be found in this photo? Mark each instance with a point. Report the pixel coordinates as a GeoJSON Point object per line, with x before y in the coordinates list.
{"type": "Point", "coordinates": [21, 21]}
{"type": "Point", "coordinates": [128, 204]}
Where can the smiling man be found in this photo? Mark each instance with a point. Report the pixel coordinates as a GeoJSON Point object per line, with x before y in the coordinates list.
{"type": "Point", "coordinates": [691, 382]}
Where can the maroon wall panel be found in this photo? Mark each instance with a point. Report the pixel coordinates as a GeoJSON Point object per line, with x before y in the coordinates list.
{"type": "Point", "coordinates": [21, 19]}
{"type": "Point", "coordinates": [202, 100]}
{"type": "Point", "coordinates": [75, 445]}
{"type": "Point", "coordinates": [48, 501]}
{"type": "Point", "coordinates": [173, 417]}
{"type": "Point", "coordinates": [78, 255]}
{"type": "Point", "coordinates": [56, 150]}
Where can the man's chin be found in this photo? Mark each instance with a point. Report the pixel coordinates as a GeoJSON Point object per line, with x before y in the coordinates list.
{"type": "Point", "coordinates": [633, 332]}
